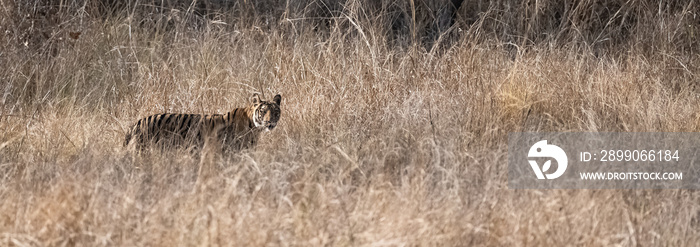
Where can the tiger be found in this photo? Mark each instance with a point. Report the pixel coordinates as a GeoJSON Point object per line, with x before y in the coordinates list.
{"type": "Point", "coordinates": [236, 130]}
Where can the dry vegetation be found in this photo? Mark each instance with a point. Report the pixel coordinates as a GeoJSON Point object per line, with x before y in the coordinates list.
{"type": "Point", "coordinates": [385, 138]}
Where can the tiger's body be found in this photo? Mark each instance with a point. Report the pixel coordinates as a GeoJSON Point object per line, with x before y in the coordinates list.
{"type": "Point", "coordinates": [236, 130]}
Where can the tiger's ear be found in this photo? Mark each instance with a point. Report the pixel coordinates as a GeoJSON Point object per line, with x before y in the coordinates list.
{"type": "Point", "coordinates": [256, 98]}
{"type": "Point", "coordinates": [277, 99]}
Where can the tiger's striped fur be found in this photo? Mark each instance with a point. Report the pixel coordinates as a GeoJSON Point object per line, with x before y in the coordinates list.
{"type": "Point", "coordinates": [238, 129]}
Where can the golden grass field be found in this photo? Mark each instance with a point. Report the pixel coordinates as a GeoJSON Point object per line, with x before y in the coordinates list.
{"type": "Point", "coordinates": [378, 144]}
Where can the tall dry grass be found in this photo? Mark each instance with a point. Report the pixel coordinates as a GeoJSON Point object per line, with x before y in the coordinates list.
{"type": "Point", "coordinates": [382, 141]}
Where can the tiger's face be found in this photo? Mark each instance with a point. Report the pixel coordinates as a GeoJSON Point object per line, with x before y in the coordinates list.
{"type": "Point", "coordinates": [267, 113]}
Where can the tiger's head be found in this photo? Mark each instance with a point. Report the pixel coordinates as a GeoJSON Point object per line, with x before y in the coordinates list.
{"type": "Point", "coordinates": [266, 113]}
